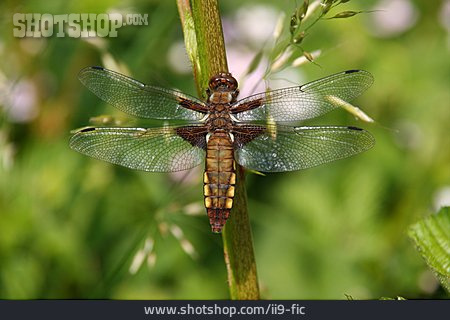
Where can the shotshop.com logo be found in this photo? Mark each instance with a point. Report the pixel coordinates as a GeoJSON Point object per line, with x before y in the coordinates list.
{"type": "Point", "coordinates": [74, 25]}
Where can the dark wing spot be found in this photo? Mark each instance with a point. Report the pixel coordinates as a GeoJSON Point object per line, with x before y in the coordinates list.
{"type": "Point", "coordinates": [87, 129]}
{"type": "Point", "coordinates": [245, 134]}
{"type": "Point", "coordinates": [191, 105]}
{"type": "Point", "coordinates": [351, 71]}
{"type": "Point", "coordinates": [196, 136]}
{"type": "Point", "coordinates": [246, 106]}
{"type": "Point", "coordinates": [98, 68]}
{"type": "Point", "coordinates": [354, 128]}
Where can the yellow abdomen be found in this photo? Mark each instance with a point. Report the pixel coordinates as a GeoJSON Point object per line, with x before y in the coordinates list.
{"type": "Point", "coordinates": [219, 179]}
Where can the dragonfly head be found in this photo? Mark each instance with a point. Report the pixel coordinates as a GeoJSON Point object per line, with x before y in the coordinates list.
{"type": "Point", "coordinates": [223, 81]}
{"type": "Point", "coordinates": [223, 88]}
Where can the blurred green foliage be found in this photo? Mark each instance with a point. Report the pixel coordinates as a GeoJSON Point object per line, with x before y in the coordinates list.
{"type": "Point", "coordinates": [432, 239]}
{"type": "Point", "coordinates": [71, 226]}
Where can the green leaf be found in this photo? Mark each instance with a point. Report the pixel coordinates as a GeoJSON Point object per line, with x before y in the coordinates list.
{"type": "Point", "coordinates": [255, 62]}
{"type": "Point", "coordinates": [432, 239]}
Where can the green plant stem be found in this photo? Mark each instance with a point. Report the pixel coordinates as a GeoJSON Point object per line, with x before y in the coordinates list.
{"type": "Point", "coordinates": [204, 42]}
{"type": "Point", "coordinates": [238, 247]}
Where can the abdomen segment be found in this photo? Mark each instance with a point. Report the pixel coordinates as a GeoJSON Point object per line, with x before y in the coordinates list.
{"type": "Point", "coordinates": [219, 179]}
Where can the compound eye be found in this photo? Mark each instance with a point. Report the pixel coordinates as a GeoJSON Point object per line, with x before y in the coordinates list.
{"type": "Point", "coordinates": [233, 82]}
{"type": "Point", "coordinates": [213, 82]}
{"type": "Point", "coordinates": [224, 80]}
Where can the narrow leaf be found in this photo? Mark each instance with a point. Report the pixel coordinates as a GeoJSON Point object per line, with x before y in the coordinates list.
{"type": "Point", "coordinates": [279, 27]}
{"type": "Point", "coordinates": [254, 63]}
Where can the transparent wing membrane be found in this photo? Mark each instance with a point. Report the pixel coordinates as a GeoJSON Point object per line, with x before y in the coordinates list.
{"type": "Point", "coordinates": [266, 146]}
{"type": "Point", "coordinates": [307, 101]}
{"type": "Point", "coordinates": [282, 148]}
{"type": "Point", "coordinates": [138, 99]}
{"type": "Point", "coordinates": [155, 150]}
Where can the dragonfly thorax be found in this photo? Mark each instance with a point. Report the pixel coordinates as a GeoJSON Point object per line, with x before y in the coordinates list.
{"type": "Point", "coordinates": [219, 117]}
{"type": "Point", "coordinates": [220, 97]}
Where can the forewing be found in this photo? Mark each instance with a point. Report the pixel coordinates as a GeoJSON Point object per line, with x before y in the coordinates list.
{"type": "Point", "coordinates": [165, 149]}
{"type": "Point", "coordinates": [138, 99]}
{"type": "Point", "coordinates": [307, 101]}
{"type": "Point", "coordinates": [280, 148]}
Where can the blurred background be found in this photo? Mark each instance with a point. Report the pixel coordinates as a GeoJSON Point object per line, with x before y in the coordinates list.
{"type": "Point", "coordinates": [75, 227]}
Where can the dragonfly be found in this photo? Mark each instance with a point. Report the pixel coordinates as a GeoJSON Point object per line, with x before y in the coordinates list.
{"type": "Point", "coordinates": [260, 132]}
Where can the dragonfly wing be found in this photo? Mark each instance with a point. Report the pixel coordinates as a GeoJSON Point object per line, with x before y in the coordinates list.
{"type": "Point", "coordinates": [165, 149]}
{"type": "Point", "coordinates": [138, 99]}
{"type": "Point", "coordinates": [281, 148]}
{"type": "Point", "coordinates": [304, 102]}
